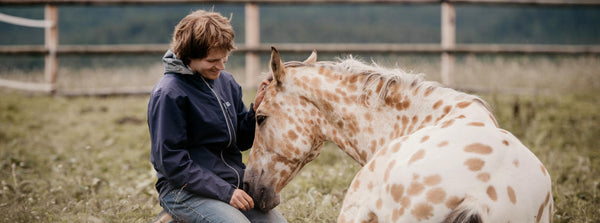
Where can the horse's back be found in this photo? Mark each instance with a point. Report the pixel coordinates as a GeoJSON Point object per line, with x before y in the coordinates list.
{"type": "Point", "coordinates": [460, 163]}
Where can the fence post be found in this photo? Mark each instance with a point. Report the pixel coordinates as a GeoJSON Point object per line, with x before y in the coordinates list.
{"type": "Point", "coordinates": [252, 40]}
{"type": "Point", "coordinates": [51, 44]}
{"type": "Point", "coordinates": [448, 42]}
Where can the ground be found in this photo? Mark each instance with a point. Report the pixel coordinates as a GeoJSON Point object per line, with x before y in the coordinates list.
{"type": "Point", "coordinates": [86, 159]}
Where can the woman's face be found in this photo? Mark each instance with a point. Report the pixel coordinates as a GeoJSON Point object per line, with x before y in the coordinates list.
{"type": "Point", "coordinates": [211, 66]}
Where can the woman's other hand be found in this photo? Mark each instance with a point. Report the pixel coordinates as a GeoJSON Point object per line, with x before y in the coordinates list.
{"type": "Point", "coordinates": [260, 93]}
{"type": "Point", "coordinates": [241, 200]}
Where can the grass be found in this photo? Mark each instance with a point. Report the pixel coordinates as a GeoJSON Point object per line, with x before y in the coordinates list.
{"type": "Point", "coordinates": [86, 159]}
{"type": "Point", "coordinates": [74, 160]}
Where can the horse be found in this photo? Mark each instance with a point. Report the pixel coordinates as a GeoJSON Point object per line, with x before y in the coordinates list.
{"type": "Point", "coordinates": [428, 153]}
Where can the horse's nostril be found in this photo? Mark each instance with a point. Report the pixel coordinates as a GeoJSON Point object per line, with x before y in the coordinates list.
{"type": "Point", "coordinates": [246, 187]}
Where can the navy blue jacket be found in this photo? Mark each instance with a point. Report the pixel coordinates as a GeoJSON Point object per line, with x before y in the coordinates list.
{"type": "Point", "coordinates": [198, 128]}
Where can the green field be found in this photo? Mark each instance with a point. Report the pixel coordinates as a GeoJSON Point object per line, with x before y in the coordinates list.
{"type": "Point", "coordinates": [86, 159]}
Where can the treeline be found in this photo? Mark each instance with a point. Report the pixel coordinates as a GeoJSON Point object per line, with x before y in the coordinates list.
{"type": "Point", "coordinates": [319, 23]}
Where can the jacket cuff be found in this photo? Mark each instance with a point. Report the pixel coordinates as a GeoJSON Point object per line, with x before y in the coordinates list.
{"type": "Point", "coordinates": [251, 110]}
{"type": "Point", "coordinates": [229, 195]}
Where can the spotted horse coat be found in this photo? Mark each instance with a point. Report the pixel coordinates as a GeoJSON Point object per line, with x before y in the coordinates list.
{"type": "Point", "coordinates": [429, 153]}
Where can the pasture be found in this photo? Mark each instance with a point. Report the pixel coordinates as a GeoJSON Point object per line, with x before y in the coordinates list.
{"type": "Point", "coordinates": [86, 159]}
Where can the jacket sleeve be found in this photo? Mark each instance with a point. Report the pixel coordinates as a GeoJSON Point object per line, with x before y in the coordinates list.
{"type": "Point", "coordinates": [169, 155]}
{"type": "Point", "coordinates": [246, 122]}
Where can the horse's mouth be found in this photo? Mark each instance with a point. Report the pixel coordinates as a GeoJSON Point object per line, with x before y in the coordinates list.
{"type": "Point", "coordinates": [264, 197]}
{"type": "Point", "coordinates": [265, 205]}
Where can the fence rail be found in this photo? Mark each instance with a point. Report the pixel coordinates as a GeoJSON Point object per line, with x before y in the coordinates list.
{"type": "Point", "coordinates": [252, 46]}
{"type": "Point", "coordinates": [25, 22]}
{"type": "Point", "coordinates": [321, 47]}
{"type": "Point", "coordinates": [148, 2]}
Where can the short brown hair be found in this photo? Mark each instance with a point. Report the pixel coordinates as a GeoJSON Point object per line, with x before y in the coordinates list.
{"type": "Point", "coordinates": [199, 32]}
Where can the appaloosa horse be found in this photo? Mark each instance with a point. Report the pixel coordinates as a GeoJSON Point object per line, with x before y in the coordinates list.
{"type": "Point", "coordinates": [429, 153]}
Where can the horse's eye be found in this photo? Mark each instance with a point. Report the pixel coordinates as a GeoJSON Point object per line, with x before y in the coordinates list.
{"type": "Point", "coordinates": [260, 119]}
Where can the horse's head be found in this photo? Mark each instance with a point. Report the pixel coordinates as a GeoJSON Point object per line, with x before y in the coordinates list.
{"type": "Point", "coordinates": [289, 134]}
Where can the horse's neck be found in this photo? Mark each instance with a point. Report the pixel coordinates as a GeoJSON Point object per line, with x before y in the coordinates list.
{"type": "Point", "coordinates": [361, 122]}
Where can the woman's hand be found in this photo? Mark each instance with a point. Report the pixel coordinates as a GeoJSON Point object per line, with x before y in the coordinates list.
{"type": "Point", "coordinates": [260, 93]}
{"type": "Point", "coordinates": [241, 200]}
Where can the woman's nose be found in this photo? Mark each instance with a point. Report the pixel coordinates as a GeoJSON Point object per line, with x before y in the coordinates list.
{"type": "Point", "coordinates": [221, 65]}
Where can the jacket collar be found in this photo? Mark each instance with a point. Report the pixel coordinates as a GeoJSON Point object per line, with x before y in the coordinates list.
{"type": "Point", "coordinates": [172, 64]}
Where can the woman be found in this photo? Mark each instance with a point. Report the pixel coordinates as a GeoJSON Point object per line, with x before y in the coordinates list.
{"type": "Point", "coordinates": [198, 126]}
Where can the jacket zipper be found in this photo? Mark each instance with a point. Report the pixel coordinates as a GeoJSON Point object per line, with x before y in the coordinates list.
{"type": "Point", "coordinates": [225, 115]}
{"type": "Point", "coordinates": [229, 124]}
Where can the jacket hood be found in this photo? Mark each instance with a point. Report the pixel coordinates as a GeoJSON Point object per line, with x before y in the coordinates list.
{"type": "Point", "coordinates": [172, 64]}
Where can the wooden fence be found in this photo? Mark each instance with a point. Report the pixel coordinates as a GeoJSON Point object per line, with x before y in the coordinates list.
{"type": "Point", "coordinates": [252, 47]}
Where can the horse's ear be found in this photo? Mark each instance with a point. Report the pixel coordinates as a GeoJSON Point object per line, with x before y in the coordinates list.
{"type": "Point", "coordinates": [277, 65]}
{"type": "Point", "coordinates": [312, 58]}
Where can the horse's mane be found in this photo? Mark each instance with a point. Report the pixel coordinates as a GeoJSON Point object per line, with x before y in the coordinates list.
{"type": "Point", "coordinates": [374, 74]}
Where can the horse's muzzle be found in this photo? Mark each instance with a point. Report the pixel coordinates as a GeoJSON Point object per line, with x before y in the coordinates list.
{"type": "Point", "coordinates": [264, 195]}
